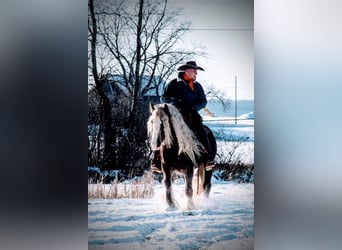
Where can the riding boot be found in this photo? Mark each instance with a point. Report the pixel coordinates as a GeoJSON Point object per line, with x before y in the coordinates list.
{"type": "Point", "coordinates": [155, 162]}
{"type": "Point", "coordinates": [207, 159]}
{"type": "Point", "coordinates": [210, 162]}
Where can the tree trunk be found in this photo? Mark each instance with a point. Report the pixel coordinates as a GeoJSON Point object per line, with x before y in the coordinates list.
{"type": "Point", "coordinates": [137, 82]}
{"type": "Point", "coordinates": [109, 137]}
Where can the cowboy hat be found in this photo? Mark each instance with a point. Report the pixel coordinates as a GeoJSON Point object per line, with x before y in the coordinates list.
{"type": "Point", "coordinates": [189, 65]}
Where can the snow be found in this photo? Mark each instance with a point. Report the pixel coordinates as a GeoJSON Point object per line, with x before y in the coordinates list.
{"type": "Point", "coordinates": [250, 115]}
{"type": "Point", "coordinates": [224, 221]}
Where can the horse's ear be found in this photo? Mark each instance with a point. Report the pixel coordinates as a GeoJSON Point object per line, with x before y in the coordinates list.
{"type": "Point", "coordinates": [166, 107]}
{"type": "Point", "coordinates": [151, 107]}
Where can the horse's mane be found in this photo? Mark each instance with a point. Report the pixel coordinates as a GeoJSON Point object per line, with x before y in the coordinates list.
{"type": "Point", "coordinates": [187, 141]}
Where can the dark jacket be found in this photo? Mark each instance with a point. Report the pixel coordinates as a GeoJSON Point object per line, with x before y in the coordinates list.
{"type": "Point", "coordinates": [178, 92]}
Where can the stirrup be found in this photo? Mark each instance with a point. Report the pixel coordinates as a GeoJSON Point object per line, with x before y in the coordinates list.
{"type": "Point", "coordinates": [210, 165]}
{"type": "Point", "coordinates": [154, 168]}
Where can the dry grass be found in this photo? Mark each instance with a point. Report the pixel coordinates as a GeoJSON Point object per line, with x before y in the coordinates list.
{"type": "Point", "coordinates": [139, 188]}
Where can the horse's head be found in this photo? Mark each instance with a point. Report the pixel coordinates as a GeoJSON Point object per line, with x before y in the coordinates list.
{"type": "Point", "coordinates": [158, 126]}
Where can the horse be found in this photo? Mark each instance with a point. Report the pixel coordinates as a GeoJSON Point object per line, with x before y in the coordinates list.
{"type": "Point", "coordinates": [180, 151]}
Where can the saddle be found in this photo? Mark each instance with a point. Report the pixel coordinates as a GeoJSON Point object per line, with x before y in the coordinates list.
{"type": "Point", "coordinates": [193, 119]}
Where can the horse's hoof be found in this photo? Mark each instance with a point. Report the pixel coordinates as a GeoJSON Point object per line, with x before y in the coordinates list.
{"type": "Point", "coordinates": [171, 208]}
{"type": "Point", "coordinates": [190, 206]}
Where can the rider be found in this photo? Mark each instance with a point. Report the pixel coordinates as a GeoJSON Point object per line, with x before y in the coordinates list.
{"type": "Point", "coordinates": [188, 96]}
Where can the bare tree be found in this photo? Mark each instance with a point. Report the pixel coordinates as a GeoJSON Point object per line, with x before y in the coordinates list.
{"type": "Point", "coordinates": [107, 118]}
{"type": "Point", "coordinates": [143, 41]}
{"type": "Point", "coordinates": [213, 93]}
{"type": "Point", "coordinates": [138, 45]}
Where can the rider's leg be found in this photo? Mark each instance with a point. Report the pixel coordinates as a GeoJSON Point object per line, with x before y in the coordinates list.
{"type": "Point", "coordinates": [194, 121]}
{"type": "Point", "coordinates": [201, 134]}
{"type": "Point", "coordinates": [202, 137]}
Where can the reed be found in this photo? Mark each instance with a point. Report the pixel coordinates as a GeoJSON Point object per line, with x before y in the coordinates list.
{"type": "Point", "coordinates": [136, 188]}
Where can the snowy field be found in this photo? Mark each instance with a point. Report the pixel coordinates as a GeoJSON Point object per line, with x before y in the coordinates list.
{"type": "Point", "coordinates": [224, 221]}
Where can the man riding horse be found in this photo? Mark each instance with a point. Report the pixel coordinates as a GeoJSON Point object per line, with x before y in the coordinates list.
{"type": "Point", "coordinates": [188, 96]}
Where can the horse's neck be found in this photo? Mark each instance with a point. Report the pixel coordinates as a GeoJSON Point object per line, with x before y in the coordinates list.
{"type": "Point", "coordinates": [172, 130]}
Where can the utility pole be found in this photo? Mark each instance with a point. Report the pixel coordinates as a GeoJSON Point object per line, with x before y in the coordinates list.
{"type": "Point", "coordinates": [235, 100]}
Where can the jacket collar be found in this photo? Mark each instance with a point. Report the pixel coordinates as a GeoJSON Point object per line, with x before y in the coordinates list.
{"type": "Point", "coordinates": [179, 79]}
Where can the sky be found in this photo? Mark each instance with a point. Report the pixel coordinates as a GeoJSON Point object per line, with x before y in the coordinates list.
{"type": "Point", "coordinates": [226, 29]}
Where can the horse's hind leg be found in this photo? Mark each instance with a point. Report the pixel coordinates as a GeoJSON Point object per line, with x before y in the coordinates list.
{"type": "Point", "coordinates": [207, 182]}
{"type": "Point", "coordinates": [188, 188]}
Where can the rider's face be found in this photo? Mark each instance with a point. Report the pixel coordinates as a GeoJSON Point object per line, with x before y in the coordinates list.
{"type": "Point", "coordinates": [191, 73]}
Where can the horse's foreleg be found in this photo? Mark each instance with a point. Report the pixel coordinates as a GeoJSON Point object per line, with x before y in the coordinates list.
{"type": "Point", "coordinates": [188, 188]}
{"type": "Point", "coordinates": [167, 185]}
{"type": "Point", "coordinates": [166, 178]}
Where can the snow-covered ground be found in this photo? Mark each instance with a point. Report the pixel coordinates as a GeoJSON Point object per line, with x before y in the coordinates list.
{"type": "Point", "coordinates": [224, 221]}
